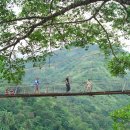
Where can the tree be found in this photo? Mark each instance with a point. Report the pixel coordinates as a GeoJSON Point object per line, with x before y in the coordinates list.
{"type": "Point", "coordinates": [41, 26]}
{"type": "Point", "coordinates": [6, 120]}
{"type": "Point", "coordinates": [121, 118]}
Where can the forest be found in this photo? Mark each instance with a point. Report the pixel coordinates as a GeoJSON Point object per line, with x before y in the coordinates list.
{"type": "Point", "coordinates": [53, 39]}
{"type": "Point", "coordinates": [65, 113]}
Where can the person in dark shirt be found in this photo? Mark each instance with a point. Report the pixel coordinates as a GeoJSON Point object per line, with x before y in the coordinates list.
{"type": "Point", "coordinates": [67, 82]}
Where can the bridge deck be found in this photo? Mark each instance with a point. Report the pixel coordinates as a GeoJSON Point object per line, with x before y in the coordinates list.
{"type": "Point", "coordinates": [66, 94]}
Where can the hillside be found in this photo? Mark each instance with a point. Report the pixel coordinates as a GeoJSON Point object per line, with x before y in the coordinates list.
{"type": "Point", "coordinates": [79, 65]}
{"type": "Point", "coordinates": [67, 113]}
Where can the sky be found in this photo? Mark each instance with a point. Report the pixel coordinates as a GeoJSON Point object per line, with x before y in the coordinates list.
{"type": "Point", "coordinates": [126, 43]}
{"type": "Point", "coordinates": [127, 48]}
{"type": "Point", "coordinates": [17, 10]}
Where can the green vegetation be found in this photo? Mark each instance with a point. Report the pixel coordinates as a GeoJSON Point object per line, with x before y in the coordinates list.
{"type": "Point", "coordinates": [121, 118]}
{"type": "Point", "coordinates": [27, 38]}
{"type": "Point", "coordinates": [38, 27]}
{"type": "Point", "coordinates": [65, 113]}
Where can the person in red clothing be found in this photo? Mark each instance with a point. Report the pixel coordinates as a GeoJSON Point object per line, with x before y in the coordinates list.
{"type": "Point", "coordinates": [9, 91]}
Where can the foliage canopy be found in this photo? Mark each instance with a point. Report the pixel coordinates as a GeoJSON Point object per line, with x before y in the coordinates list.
{"type": "Point", "coordinates": [40, 26]}
{"type": "Point", "coordinates": [121, 118]}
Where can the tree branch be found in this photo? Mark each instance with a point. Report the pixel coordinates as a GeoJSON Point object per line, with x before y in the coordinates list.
{"type": "Point", "coordinates": [10, 55]}
{"type": "Point", "coordinates": [81, 21]}
{"type": "Point", "coordinates": [19, 39]}
{"type": "Point", "coordinates": [20, 19]}
{"type": "Point", "coordinates": [110, 45]}
{"type": "Point", "coordinates": [50, 17]}
{"type": "Point", "coordinates": [125, 19]}
{"type": "Point", "coordinates": [73, 5]}
{"type": "Point", "coordinates": [51, 5]}
{"type": "Point", "coordinates": [127, 2]}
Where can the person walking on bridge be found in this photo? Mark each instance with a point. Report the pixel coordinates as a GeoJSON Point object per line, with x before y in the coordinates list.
{"type": "Point", "coordinates": [67, 82]}
{"type": "Point", "coordinates": [89, 85]}
{"type": "Point", "coordinates": [36, 83]}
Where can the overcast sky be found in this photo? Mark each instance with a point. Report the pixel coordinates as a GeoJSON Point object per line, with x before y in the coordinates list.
{"type": "Point", "coordinates": [127, 42]}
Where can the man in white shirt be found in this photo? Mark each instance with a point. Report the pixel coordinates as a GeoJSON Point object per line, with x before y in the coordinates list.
{"type": "Point", "coordinates": [89, 85]}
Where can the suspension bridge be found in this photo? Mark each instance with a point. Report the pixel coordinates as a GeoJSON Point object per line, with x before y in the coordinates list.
{"type": "Point", "coordinates": [127, 92]}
